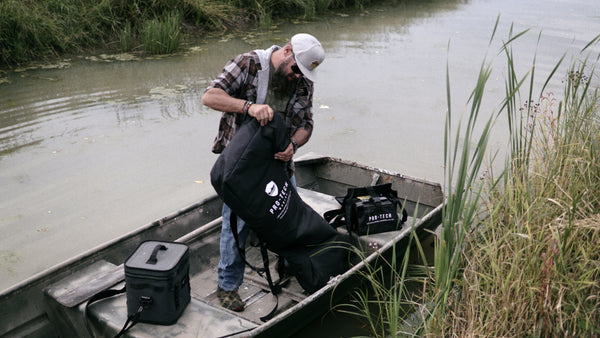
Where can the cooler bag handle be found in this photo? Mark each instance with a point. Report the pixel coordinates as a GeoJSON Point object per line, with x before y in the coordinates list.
{"type": "Point", "coordinates": [153, 257]}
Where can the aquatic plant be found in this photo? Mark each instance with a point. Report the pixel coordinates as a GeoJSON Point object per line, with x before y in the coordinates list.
{"type": "Point", "coordinates": [162, 36]}
{"type": "Point", "coordinates": [126, 38]}
{"type": "Point", "coordinates": [517, 250]}
{"type": "Point", "coordinates": [534, 267]}
{"type": "Point", "coordinates": [531, 265]}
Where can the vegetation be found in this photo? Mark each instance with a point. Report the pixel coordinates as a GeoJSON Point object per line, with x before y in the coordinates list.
{"type": "Point", "coordinates": [517, 254]}
{"type": "Point", "coordinates": [532, 267]}
{"type": "Point", "coordinates": [36, 29]}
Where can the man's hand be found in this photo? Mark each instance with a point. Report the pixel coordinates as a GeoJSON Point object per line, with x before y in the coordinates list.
{"type": "Point", "coordinates": [286, 155]}
{"type": "Point", "coordinates": [262, 112]}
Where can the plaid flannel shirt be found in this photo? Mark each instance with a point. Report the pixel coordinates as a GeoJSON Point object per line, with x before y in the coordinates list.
{"type": "Point", "coordinates": [239, 79]}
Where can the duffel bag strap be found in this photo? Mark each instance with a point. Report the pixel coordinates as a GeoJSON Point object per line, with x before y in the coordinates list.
{"type": "Point", "coordinates": [335, 217]}
{"type": "Point", "coordinates": [275, 287]}
{"type": "Point", "coordinates": [234, 229]}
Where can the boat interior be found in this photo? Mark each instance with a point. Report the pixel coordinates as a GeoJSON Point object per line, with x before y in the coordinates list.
{"type": "Point", "coordinates": [318, 185]}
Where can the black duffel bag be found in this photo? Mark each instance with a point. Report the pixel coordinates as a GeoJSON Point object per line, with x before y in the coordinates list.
{"type": "Point", "coordinates": [256, 187]}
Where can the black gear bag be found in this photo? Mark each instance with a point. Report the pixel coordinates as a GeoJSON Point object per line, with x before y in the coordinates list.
{"type": "Point", "coordinates": [369, 210]}
{"type": "Point", "coordinates": [256, 187]}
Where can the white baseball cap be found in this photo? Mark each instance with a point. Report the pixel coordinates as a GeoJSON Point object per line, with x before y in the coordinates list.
{"type": "Point", "coordinates": [308, 53]}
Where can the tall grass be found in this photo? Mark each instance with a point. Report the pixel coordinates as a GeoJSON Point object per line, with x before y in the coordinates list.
{"type": "Point", "coordinates": [517, 253]}
{"type": "Point", "coordinates": [34, 29]}
{"type": "Point", "coordinates": [532, 267]}
{"type": "Point", "coordinates": [389, 300]}
{"type": "Point", "coordinates": [162, 36]}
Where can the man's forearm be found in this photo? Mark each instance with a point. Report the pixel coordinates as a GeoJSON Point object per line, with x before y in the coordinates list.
{"type": "Point", "coordinates": [218, 99]}
{"type": "Point", "coordinates": [301, 136]}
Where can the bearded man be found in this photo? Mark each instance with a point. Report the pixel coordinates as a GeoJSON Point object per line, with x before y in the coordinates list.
{"type": "Point", "coordinates": [258, 84]}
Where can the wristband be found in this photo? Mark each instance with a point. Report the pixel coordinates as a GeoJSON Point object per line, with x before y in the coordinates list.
{"type": "Point", "coordinates": [246, 108]}
{"type": "Point", "coordinates": [295, 145]}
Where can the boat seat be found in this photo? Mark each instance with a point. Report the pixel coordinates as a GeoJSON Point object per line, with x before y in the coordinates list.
{"type": "Point", "coordinates": [320, 202]}
{"type": "Point", "coordinates": [199, 319]}
{"type": "Point", "coordinates": [107, 317]}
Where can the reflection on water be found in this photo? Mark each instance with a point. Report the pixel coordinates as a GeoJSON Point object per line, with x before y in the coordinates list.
{"type": "Point", "coordinates": [99, 147]}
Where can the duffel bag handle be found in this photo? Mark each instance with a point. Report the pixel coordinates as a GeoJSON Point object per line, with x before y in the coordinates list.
{"type": "Point", "coordinates": [153, 257]}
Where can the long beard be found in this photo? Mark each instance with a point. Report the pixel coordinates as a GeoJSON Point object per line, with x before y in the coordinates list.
{"type": "Point", "coordinates": [281, 83]}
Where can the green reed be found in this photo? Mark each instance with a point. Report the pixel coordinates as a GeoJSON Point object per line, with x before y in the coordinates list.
{"type": "Point", "coordinates": [517, 252]}
{"type": "Point", "coordinates": [388, 299]}
{"type": "Point", "coordinates": [530, 266]}
{"type": "Point", "coordinates": [126, 38]}
{"type": "Point", "coordinates": [162, 36]}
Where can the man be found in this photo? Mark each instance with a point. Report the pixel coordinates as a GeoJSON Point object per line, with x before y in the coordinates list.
{"type": "Point", "coordinates": [257, 85]}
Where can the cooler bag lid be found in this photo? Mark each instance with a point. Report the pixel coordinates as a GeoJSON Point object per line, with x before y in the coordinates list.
{"type": "Point", "coordinates": [156, 256]}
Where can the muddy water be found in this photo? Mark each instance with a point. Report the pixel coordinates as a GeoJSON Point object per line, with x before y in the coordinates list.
{"type": "Point", "coordinates": [98, 145]}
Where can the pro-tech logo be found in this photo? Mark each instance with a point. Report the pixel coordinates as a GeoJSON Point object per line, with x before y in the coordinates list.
{"type": "Point", "coordinates": [271, 189]}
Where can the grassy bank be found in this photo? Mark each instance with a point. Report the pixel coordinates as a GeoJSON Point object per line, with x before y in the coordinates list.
{"type": "Point", "coordinates": [517, 254]}
{"type": "Point", "coordinates": [38, 29]}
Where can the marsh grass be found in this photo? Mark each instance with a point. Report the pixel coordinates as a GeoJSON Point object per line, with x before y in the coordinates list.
{"type": "Point", "coordinates": [531, 266]}
{"type": "Point", "coordinates": [162, 36]}
{"type": "Point", "coordinates": [33, 30]}
{"type": "Point", "coordinates": [126, 38]}
{"type": "Point", "coordinates": [534, 268]}
{"type": "Point", "coordinates": [386, 303]}
{"type": "Point", "coordinates": [517, 253]}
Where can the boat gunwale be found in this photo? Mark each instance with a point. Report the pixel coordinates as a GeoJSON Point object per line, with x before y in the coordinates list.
{"type": "Point", "coordinates": [97, 250]}
{"type": "Point", "coordinates": [421, 225]}
{"type": "Point", "coordinates": [316, 158]}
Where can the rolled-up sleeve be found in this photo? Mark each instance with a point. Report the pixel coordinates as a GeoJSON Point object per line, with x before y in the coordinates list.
{"type": "Point", "coordinates": [232, 77]}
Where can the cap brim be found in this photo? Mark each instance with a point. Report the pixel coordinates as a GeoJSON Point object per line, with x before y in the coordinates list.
{"type": "Point", "coordinates": [307, 73]}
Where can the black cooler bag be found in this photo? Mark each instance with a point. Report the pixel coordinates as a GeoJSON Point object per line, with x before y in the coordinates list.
{"type": "Point", "coordinates": [157, 278]}
{"type": "Point", "coordinates": [256, 187]}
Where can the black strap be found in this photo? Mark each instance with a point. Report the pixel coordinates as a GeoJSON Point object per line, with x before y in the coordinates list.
{"type": "Point", "coordinates": [342, 217]}
{"type": "Point", "coordinates": [275, 287]}
{"type": "Point", "coordinates": [100, 295]}
{"type": "Point", "coordinates": [234, 229]}
{"type": "Point", "coordinates": [131, 319]}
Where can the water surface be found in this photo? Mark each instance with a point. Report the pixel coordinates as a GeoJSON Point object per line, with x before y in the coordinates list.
{"type": "Point", "coordinates": [95, 149]}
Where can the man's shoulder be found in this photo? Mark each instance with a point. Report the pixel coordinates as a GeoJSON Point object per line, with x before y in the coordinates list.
{"type": "Point", "coordinates": [249, 59]}
{"type": "Point", "coordinates": [305, 87]}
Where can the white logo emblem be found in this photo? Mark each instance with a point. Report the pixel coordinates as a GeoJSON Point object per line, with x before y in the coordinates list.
{"type": "Point", "coordinates": [271, 189]}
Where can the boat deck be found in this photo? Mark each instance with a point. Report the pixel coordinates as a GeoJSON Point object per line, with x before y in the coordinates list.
{"type": "Point", "coordinates": [203, 317]}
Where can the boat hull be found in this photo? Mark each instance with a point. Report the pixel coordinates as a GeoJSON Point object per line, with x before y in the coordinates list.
{"type": "Point", "coordinates": [50, 304]}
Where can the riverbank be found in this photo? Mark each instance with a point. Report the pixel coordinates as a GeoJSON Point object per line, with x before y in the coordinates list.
{"type": "Point", "coordinates": [37, 30]}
